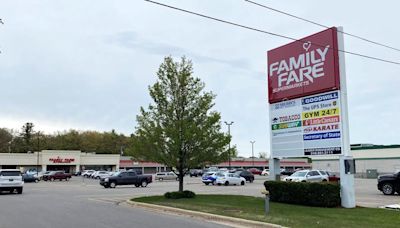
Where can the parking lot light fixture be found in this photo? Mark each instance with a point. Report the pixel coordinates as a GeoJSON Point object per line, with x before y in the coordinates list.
{"type": "Point", "coordinates": [252, 151]}
{"type": "Point", "coordinates": [229, 148]}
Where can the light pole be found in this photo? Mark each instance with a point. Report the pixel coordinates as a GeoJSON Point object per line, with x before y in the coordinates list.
{"type": "Point", "coordinates": [37, 157]}
{"type": "Point", "coordinates": [252, 151]}
{"type": "Point", "coordinates": [229, 133]}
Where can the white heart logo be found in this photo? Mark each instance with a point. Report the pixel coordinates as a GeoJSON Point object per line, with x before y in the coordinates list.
{"type": "Point", "coordinates": [307, 45]}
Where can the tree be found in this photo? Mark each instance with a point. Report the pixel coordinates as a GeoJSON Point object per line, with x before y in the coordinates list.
{"type": "Point", "coordinates": [179, 129]}
{"type": "Point", "coordinates": [5, 140]}
{"type": "Point", "coordinates": [262, 155]}
{"type": "Point", "coordinates": [26, 135]}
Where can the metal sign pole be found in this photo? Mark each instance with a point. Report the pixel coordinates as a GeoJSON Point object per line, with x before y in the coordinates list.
{"type": "Point", "coordinates": [346, 178]}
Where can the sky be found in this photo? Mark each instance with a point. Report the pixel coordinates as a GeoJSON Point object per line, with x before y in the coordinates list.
{"type": "Point", "coordinates": [87, 65]}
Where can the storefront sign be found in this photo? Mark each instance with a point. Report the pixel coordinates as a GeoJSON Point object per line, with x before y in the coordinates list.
{"type": "Point", "coordinates": [316, 131]}
{"type": "Point", "coordinates": [304, 67]}
{"type": "Point", "coordinates": [62, 160]}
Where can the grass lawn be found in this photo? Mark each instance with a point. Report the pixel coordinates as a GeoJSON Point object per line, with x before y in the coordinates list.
{"type": "Point", "coordinates": [252, 208]}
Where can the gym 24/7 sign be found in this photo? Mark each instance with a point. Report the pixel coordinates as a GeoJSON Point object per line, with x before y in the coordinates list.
{"type": "Point", "coordinates": [304, 97]}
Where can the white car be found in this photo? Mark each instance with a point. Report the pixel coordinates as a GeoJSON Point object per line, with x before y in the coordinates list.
{"type": "Point", "coordinates": [308, 176]}
{"type": "Point", "coordinates": [11, 180]}
{"type": "Point", "coordinates": [100, 174]}
{"type": "Point", "coordinates": [87, 173]}
{"type": "Point", "coordinates": [229, 178]}
{"type": "Point", "coordinates": [265, 172]}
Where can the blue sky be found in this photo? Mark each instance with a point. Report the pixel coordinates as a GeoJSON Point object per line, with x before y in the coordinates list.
{"type": "Point", "coordinates": [87, 64]}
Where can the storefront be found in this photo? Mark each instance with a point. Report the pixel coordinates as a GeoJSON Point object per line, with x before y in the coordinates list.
{"type": "Point", "coordinates": [68, 160]}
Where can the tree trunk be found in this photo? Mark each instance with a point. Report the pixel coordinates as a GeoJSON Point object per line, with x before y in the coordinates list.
{"type": "Point", "coordinates": [180, 176]}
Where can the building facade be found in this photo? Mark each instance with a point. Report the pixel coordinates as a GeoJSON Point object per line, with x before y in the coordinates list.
{"type": "Point", "coordinates": [368, 158]}
{"type": "Point", "coordinates": [69, 160]}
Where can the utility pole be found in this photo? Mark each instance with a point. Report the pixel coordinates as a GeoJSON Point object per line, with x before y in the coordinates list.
{"type": "Point", "coordinates": [37, 157]}
{"type": "Point", "coordinates": [252, 151]}
{"type": "Point", "coordinates": [229, 151]}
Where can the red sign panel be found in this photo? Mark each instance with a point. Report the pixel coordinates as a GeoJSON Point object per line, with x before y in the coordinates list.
{"type": "Point", "coordinates": [61, 160]}
{"type": "Point", "coordinates": [304, 67]}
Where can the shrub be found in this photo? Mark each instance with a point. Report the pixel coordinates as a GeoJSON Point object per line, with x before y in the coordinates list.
{"type": "Point", "coordinates": [310, 194]}
{"type": "Point", "coordinates": [179, 195]}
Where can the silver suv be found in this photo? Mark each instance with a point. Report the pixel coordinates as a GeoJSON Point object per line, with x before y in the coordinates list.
{"type": "Point", "coordinates": [11, 180]}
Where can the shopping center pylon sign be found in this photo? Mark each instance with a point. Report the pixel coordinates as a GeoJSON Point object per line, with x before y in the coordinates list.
{"type": "Point", "coordinates": [304, 96]}
{"type": "Point", "coordinates": [308, 105]}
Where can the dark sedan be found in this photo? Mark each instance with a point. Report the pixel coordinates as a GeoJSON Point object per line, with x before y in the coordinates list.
{"type": "Point", "coordinates": [29, 178]}
{"type": "Point", "coordinates": [246, 175]}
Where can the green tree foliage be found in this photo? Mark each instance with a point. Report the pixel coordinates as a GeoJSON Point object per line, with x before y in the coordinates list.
{"type": "Point", "coordinates": [5, 140]}
{"type": "Point", "coordinates": [87, 141]}
{"type": "Point", "coordinates": [179, 129]}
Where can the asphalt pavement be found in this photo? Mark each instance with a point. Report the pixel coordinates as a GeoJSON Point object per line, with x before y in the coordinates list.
{"type": "Point", "coordinates": [84, 203]}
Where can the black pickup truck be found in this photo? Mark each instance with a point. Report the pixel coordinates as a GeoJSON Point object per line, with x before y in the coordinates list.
{"type": "Point", "coordinates": [389, 184]}
{"type": "Point", "coordinates": [126, 178]}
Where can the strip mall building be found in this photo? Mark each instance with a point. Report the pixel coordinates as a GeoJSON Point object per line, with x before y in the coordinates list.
{"type": "Point", "coordinates": [70, 161]}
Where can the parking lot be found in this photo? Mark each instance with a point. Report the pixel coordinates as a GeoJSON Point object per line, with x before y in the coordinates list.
{"type": "Point", "coordinates": [367, 194]}
{"type": "Point", "coordinates": [81, 201]}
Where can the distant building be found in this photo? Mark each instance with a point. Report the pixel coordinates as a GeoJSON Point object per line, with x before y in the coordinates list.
{"type": "Point", "coordinates": [369, 159]}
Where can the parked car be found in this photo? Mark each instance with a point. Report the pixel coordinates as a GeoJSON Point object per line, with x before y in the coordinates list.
{"type": "Point", "coordinates": [389, 184]}
{"type": "Point", "coordinates": [209, 178]}
{"type": "Point", "coordinates": [195, 172]}
{"type": "Point", "coordinates": [254, 171]}
{"type": "Point", "coordinates": [287, 172]}
{"type": "Point", "coordinates": [11, 180]}
{"type": "Point", "coordinates": [40, 174]}
{"type": "Point", "coordinates": [332, 177]}
{"type": "Point", "coordinates": [126, 178]}
{"type": "Point", "coordinates": [246, 175]}
{"type": "Point", "coordinates": [57, 175]}
{"type": "Point", "coordinates": [29, 178]}
{"type": "Point", "coordinates": [87, 173]}
{"type": "Point", "coordinates": [265, 172]}
{"type": "Point", "coordinates": [166, 176]}
{"type": "Point", "coordinates": [307, 176]}
{"type": "Point", "coordinates": [229, 178]}
{"type": "Point", "coordinates": [100, 174]}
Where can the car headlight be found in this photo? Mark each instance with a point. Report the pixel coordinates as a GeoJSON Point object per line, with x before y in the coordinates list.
{"type": "Point", "coordinates": [106, 180]}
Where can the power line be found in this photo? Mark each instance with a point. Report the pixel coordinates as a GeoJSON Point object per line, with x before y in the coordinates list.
{"type": "Point", "coordinates": [321, 25]}
{"type": "Point", "coordinates": [266, 32]}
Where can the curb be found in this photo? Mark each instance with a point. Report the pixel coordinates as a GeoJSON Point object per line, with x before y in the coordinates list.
{"type": "Point", "coordinates": [224, 220]}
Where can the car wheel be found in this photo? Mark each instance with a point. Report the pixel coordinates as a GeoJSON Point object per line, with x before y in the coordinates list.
{"type": "Point", "coordinates": [36, 180]}
{"type": "Point", "coordinates": [144, 184]}
{"type": "Point", "coordinates": [219, 184]}
{"type": "Point", "coordinates": [98, 178]}
{"type": "Point", "coordinates": [113, 185]}
{"type": "Point", "coordinates": [242, 183]}
{"type": "Point", "coordinates": [207, 183]}
{"type": "Point", "coordinates": [52, 179]}
{"type": "Point", "coordinates": [160, 179]}
{"type": "Point", "coordinates": [251, 180]}
{"type": "Point", "coordinates": [324, 180]}
{"type": "Point", "coordinates": [60, 179]}
{"type": "Point", "coordinates": [19, 190]}
{"type": "Point", "coordinates": [137, 185]}
{"type": "Point", "coordinates": [226, 183]}
{"type": "Point", "coordinates": [304, 181]}
{"type": "Point", "coordinates": [387, 189]}
{"type": "Point", "coordinates": [214, 182]}
{"type": "Point", "coordinates": [106, 186]}
{"type": "Point", "coordinates": [67, 179]}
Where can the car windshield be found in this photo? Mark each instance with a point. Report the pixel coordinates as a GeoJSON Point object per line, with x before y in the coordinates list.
{"type": "Point", "coordinates": [220, 174]}
{"type": "Point", "coordinates": [299, 174]}
{"type": "Point", "coordinates": [323, 172]}
{"type": "Point", "coordinates": [116, 173]}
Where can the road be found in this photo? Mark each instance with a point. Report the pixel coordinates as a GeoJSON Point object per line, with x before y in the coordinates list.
{"type": "Point", "coordinates": [84, 203]}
